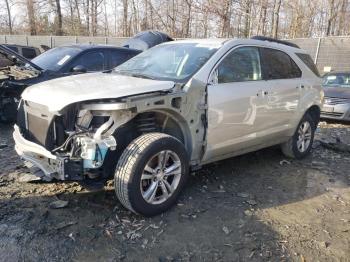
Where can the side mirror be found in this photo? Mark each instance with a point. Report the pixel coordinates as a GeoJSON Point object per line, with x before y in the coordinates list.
{"type": "Point", "coordinates": [79, 69]}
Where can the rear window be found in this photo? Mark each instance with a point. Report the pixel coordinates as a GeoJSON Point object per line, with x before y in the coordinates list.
{"type": "Point", "coordinates": [279, 65]}
{"type": "Point", "coordinates": [308, 62]}
{"type": "Point", "coordinates": [28, 53]}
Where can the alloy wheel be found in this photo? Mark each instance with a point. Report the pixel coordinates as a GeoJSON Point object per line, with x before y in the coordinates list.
{"type": "Point", "coordinates": [160, 177]}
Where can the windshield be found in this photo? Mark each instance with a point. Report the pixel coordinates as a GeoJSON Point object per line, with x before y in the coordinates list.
{"type": "Point", "coordinates": [337, 80]}
{"type": "Point", "coordinates": [55, 59]}
{"type": "Point", "coordinates": [175, 62]}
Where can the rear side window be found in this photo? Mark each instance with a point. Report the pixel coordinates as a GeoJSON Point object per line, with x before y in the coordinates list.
{"type": "Point", "coordinates": [28, 53]}
{"type": "Point", "coordinates": [119, 57]}
{"type": "Point", "coordinates": [279, 65]}
{"type": "Point", "coordinates": [308, 62]}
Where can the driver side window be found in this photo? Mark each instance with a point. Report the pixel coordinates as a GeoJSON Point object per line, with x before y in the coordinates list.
{"type": "Point", "coordinates": [92, 61]}
{"type": "Point", "coordinates": [242, 64]}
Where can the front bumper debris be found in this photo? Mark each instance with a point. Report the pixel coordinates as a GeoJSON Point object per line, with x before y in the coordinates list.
{"type": "Point", "coordinates": [51, 166]}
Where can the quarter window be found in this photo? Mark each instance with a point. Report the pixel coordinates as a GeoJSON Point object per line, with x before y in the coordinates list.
{"type": "Point", "coordinates": [278, 65]}
{"type": "Point", "coordinates": [242, 64]}
{"type": "Point", "coordinates": [308, 62]}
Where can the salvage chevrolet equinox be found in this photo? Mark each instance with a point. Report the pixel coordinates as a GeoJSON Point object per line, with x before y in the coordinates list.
{"type": "Point", "coordinates": [169, 110]}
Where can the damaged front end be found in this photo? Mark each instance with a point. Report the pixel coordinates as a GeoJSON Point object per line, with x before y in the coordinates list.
{"type": "Point", "coordinates": [72, 144]}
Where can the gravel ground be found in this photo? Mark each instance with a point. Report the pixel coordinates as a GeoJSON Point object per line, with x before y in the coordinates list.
{"type": "Point", "coordinates": [255, 207]}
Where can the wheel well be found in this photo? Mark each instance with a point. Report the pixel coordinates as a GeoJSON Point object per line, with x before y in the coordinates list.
{"type": "Point", "coordinates": [315, 113]}
{"type": "Point", "coordinates": [158, 121]}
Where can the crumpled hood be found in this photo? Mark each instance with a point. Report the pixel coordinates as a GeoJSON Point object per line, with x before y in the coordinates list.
{"type": "Point", "coordinates": [58, 93]}
{"type": "Point", "coordinates": [339, 92]}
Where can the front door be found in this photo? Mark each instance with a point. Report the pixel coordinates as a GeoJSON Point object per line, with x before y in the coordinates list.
{"type": "Point", "coordinates": [236, 102]}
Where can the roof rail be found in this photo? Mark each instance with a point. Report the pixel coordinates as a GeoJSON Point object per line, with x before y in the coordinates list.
{"type": "Point", "coordinates": [270, 39]}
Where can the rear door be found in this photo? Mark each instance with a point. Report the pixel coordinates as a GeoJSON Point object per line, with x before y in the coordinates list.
{"type": "Point", "coordinates": [284, 78]}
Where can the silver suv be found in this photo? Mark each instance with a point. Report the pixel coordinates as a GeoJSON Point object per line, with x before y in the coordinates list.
{"type": "Point", "coordinates": [169, 110]}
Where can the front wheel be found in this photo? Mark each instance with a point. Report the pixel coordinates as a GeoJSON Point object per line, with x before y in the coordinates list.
{"type": "Point", "coordinates": [151, 173]}
{"type": "Point", "coordinates": [300, 144]}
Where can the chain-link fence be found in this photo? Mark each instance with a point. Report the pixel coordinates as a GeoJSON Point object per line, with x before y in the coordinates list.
{"type": "Point", "coordinates": [329, 53]}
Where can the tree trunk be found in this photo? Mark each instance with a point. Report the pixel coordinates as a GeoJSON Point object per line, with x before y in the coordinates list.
{"type": "Point", "coordinates": [106, 29]}
{"type": "Point", "coordinates": [188, 18]}
{"type": "Point", "coordinates": [276, 12]}
{"type": "Point", "coordinates": [31, 17]}
{"type": "Point", "coordinates": [343, 8]}
{"type": "Point", "coordinates": [125, 18]}
{"type": "Point", "coordinates": [330, 17]}
{"type": "Point", "coordinates": [247, 18]}
{"type": "Point", "coordinates": [87, 15]}
{"type": "Point", "coordinates": [225, 18]}
{"type": "Point", "coordinates": [79, 17]}
{"type": "Point", "coordinates": [59, 30]}
{"type": "Point", "coordinates": [9, 16]}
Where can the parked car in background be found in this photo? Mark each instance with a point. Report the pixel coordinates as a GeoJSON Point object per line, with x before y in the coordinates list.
{"type": "Point", "coordinates": [28, 52]}
{"type": "Point", "coordinates": [54, 63]}
{"type": "Point", "coordinates": [169, 110]}
{"type": "Point", "coordinates": [336, 86]}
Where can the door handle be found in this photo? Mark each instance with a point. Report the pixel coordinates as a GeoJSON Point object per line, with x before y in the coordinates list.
{"type": "Point", "coordinates": [301, 86]}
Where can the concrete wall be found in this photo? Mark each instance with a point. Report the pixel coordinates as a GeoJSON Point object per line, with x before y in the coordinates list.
{"type": "Point", "coordinates": [54, 41]}
{"type": "Point", "coordinates": [332, 52]}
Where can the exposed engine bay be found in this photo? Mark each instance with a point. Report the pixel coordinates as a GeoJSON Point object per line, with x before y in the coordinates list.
{"type": "Point", "coordinates": [16, 73]}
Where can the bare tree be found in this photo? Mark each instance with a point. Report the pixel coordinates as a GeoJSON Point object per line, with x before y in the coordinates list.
{"type": "Point", "coordinates": [31, 17]}
{"type": "Point", "coordinates": [276, 16]}
{"type": "Point", "coordinates": [180, 18]}
{"type": "Point", "coordinates": [59, 30]}
{"type": "Point", "coordinates": [9, 17]}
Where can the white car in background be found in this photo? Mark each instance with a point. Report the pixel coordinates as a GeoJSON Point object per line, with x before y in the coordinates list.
{"type": "Point", "coordinates": [169, 110]}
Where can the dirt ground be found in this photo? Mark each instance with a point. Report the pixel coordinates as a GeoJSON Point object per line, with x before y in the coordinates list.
{"type": "Point", "coordinates": [255, 207]}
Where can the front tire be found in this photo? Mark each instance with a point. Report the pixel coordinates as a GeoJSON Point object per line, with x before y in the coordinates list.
{"type": "Point", "coordinates": [300, 144]}
{"type": "Point", "coordinates": [151, 173]}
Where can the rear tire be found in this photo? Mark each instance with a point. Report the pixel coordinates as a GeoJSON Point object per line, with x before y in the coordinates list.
{"type": "Point", "coordinates": [151, 173]}
{"type": "Point", "coordinates": [300, 144]}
